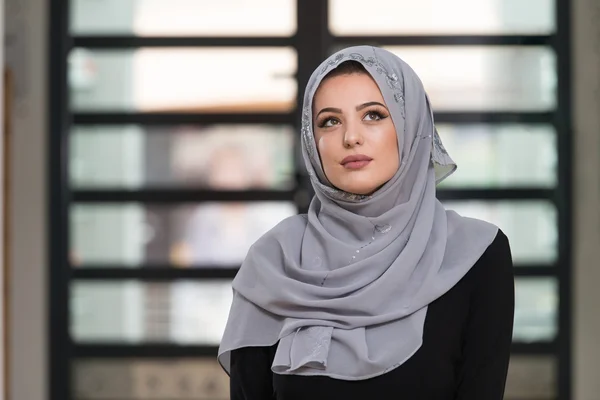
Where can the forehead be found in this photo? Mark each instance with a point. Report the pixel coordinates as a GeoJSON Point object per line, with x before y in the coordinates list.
{"type": "Point", "coordinates": [348, 87]}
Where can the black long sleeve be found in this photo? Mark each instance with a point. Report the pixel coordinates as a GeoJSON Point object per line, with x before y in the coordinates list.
{"type": "Point", "coordinates": [488, 337]}
{"type": "Point", "coordinates": [464, 356]}
{"type": "Point", "coordinates": [250, 375]}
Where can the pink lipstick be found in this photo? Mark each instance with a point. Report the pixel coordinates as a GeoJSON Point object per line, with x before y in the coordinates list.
{"type": "Point", "coordinates": [356, 161]}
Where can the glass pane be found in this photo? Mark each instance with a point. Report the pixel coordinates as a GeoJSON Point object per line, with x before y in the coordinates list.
{"type": "Point", "coordinates": [531, 378]}
{"type": "Point", "coordinates": [184, 17]}
{"type": "Point", "coordinates": [187, 235]}
{"type": "Point", "coordinates": [144, 379]}
{"type": "Point", "coordinates": [479, 78]}
{"type": "Point", "coordinates": [230, 157]}
{"type": "Point", "coordinates": [530, 226]}
{"type": "Point", "coordinates": [132, 311]}
{"type": "Point", "coordinates": [482, 151]}
{"type": "Point", "coordinates": [183, 79]}
{"type": "Point", "coordinates": [424, 17]}
{"type": "Point", "coordinates": [536, 302]}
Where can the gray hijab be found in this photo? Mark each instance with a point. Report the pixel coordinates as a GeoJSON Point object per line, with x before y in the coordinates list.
{"type": "Point", "coordinates": [345, 289]}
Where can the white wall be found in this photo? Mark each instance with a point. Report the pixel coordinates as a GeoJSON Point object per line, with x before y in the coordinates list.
{"type": "Point", "coordinates": [586, 107]}
{"type": "Point", "coordinates": [28, 299]}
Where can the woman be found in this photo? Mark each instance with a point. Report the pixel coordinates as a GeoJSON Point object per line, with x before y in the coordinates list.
{"type": "Point", "coordinates": [378, 292]}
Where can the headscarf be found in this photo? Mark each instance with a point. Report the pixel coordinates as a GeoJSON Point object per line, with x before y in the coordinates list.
{"type": "Point", "coordinates": [344, 289]}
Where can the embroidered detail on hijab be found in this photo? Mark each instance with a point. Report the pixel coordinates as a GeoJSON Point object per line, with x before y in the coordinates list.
{"type": "Point", "coordinates": [359, 311]}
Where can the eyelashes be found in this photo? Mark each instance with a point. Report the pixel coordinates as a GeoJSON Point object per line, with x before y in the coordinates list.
{"type": "Point", "coordinates": [324, 122]}
{"type": "Point", "coordinates": [378, 115]}
{"type": "Point", "coordinates": [372, 115]}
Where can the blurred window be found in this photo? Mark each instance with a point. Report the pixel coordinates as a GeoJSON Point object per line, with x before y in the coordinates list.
{"type": "Point", "coordinates": [181, 98]}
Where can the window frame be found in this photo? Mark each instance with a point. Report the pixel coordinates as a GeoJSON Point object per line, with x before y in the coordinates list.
{"type": "Point", "coordinates": [312, 42]}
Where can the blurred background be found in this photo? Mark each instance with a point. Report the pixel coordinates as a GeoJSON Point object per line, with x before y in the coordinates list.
{"type": "Point", "coordinates": [149, 143]}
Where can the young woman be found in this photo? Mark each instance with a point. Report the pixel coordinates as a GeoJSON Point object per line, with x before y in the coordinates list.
{"type": "Point", "coordinates": [378, 291]}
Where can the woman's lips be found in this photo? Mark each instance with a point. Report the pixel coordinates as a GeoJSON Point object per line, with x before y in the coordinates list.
{"type": "Point", "coordinates": [356, 161]}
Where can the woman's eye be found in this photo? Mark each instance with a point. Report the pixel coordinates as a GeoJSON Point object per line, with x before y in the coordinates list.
{"type": "Point", "coordinates": [373, 116]}
{"type": "Point", "coordinates": [329, 122]}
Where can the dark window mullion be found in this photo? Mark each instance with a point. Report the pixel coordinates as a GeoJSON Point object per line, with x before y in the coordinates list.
{"type": "Point", "coordinates": [153, 273]}
{"type": "Point", "coordinates": [447, 40]}
{"type": "Point", "coordinates": [167, 118]}
{"type": "Point", "coordinates": [170, 119]}
{"type": "Point", "coordinates": [145, 350]}
{"type": "Point", "coordinates": [179, 195]}
{"type": "Point", "coordinates": [121, 42]}
{"type": "Point", "coordinates": [494, 117]}
{"type": "Point", "coordinates": [528, 193]}
{"type": "Point", "coordinates": [168, 273]}
{"type": "Point", "coordinates": [134, 42]}
{"type": "Point", "coordinates": [111, 195]}
{"type": "Point", "coordinates": [534, 348]}
{"type": "Point", "coordinates": [173, 350]}
{"type": "Point", "coordinates": [312, 47]}
{"type": "Point", "coordinates": [58, 365]}
{"type": "Point", "coordinates": [564, 126]}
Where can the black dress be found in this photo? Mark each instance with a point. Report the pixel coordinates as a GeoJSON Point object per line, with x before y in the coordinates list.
{"type": "Point", "coordinates": [464, 356]}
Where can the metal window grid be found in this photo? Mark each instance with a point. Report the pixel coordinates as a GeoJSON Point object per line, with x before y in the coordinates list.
{"type": "Point", "coordinates": [312, 43]}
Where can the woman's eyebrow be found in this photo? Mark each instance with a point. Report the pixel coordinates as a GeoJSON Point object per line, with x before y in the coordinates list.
{"type": "Point", "coordinates": [370, 103]}
{"type": "Point", "coordinates": [330, 109]}
{"type": "Point", "coordinates": [358, 108]}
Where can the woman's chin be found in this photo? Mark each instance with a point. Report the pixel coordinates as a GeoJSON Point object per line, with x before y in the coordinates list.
{"type": "Point", "coordinates": [362, 189]}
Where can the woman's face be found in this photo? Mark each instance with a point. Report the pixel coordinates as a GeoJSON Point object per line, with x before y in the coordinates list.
{"type": "Point", "coordinates": [354, 133]}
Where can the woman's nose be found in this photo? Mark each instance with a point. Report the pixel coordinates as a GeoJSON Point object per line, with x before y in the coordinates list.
{"type": "Point", "coordinates": [353, 137]}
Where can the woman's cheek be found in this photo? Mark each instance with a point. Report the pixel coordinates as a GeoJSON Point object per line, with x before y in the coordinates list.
{"type": "Point", "coordinates": [324, 149]}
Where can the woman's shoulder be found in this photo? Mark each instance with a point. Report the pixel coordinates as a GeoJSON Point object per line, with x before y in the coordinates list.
{"type": "Point", "coordinates": [499, 249]}
{"type": "Point", "coordinates": [496, 263]}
